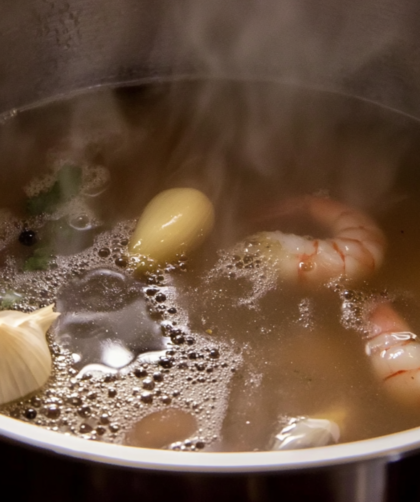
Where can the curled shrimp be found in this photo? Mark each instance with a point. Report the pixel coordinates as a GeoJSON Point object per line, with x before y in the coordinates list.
{"type": "Point", "coordinates": [354, 251]}
{"type": "Point", "coordinates": [395, 353]}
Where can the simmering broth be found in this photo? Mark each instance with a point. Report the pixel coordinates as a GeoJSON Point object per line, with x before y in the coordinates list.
{"type": "Point", "coordinates": [221, 346]}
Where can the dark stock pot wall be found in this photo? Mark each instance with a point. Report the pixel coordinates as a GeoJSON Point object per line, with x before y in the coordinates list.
{"type": "Point", "coordinates": [363, 48]}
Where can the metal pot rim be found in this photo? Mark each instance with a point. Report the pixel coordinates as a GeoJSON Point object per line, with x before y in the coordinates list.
{"type": "Point", "coordinates": [387, 448]}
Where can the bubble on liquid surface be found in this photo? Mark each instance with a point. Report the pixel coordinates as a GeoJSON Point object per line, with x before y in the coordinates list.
{"type": "Point", "coordinates": [355, 306]}
{"type": "Point", "coordinates": [80, 221]}
{"type": "Point", "coordinates": [105, 320]}
{"type": "Point", "coordinates": [243, 263]}
{"type": "Point", "coordinates": [96, 180]}
{"type": "Point", "coordinates": [306, 313]}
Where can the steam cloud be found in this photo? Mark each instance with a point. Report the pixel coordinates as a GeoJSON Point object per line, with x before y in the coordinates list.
{"type": "Point", "coordinates": [347, 47]}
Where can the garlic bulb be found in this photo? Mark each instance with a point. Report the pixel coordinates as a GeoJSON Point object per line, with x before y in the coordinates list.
{"type": "Point", "coordinates": [176, 221]}
{"type": "Point", "coordinates": [303, 432]}
{"type": "Point", "coordinates": [25, 359]}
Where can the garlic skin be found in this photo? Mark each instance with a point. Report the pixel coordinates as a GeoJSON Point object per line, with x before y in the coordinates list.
{"type": "Point", "coordinates": [25, 359]}
{"type": "Point", "coordinates": [176, 221]}
{"type": "Point", "coordinates": [304, 432]}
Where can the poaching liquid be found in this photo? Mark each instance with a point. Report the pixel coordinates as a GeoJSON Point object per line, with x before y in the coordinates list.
{"type": "Point", "coordinates": [219, 345]}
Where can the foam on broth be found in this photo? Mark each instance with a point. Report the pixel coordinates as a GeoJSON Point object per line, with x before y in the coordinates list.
{"type": "Point", "coordinates": [252, 351]}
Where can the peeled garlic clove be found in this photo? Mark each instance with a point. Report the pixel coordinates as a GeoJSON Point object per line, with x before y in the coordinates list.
{"type": "Point", "coordinates": [176, 221]}
{"type": "Point", "coordinates": [303, 432]}
{"type": "Point", "coordinates": [25, 359]}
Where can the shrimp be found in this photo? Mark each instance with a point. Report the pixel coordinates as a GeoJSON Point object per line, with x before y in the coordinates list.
{"type": "Point", "coordinates": [395, 353]}
{"type": "Point", "coordinates": [354, 251]}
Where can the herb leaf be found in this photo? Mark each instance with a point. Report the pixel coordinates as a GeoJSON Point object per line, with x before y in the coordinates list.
{"type": "Point", "coordinates": [40, 260]}
{"type": "Point", "coordinates": [9, 299]}
{"type": "Point", "coordinates": [67, 185]}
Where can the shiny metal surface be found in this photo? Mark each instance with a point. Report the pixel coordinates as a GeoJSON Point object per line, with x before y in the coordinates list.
{"type": "Point", "coordinates": [364, 48]}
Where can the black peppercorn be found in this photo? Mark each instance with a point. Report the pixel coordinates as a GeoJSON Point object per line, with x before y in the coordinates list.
{"type": "Point", "coordinates": [28, 237]}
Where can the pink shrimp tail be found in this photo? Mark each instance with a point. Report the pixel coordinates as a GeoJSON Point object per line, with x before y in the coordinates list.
{"type": "Point", "coordinates": [384, 319]}
{"type": "Point", "coordinates": [353, 248]}
{"type": "Point", "coordinates": [395, 354]}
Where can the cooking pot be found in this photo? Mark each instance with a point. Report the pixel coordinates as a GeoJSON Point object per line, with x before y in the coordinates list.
{"type": "Point", "coordinates": [363, 48]}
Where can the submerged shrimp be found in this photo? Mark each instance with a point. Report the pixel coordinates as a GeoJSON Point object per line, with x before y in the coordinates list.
{"type": "Point", "coordinates": [354, 251]}
{"type": "Point", "coordinates": [395, 353]}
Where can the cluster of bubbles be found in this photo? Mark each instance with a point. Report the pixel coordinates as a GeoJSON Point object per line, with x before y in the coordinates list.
{"type": "Point", "coordinates": [95, 180]}
{"type": "Point", "coordinates": [192, 373]}
{"type": "Point", "coordinates": [356, 305]}
{"type": "Point", "coordinates": [105, 406]}
{"type": "Point", "coordinates": [306, 313]}
{"type": "Point", "coordinates": [244, 262]}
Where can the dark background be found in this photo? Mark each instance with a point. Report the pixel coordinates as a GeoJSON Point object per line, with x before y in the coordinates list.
{"type": "Point", "coordinates": [31, 475]}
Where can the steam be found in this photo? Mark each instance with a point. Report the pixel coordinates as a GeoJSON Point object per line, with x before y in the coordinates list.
{"type": "Point", "coordinates": [347, 48]}
{"type": "Point", "coordinates": [261, 127]}
{"type": "Point", "coordinates": [287, 39]}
